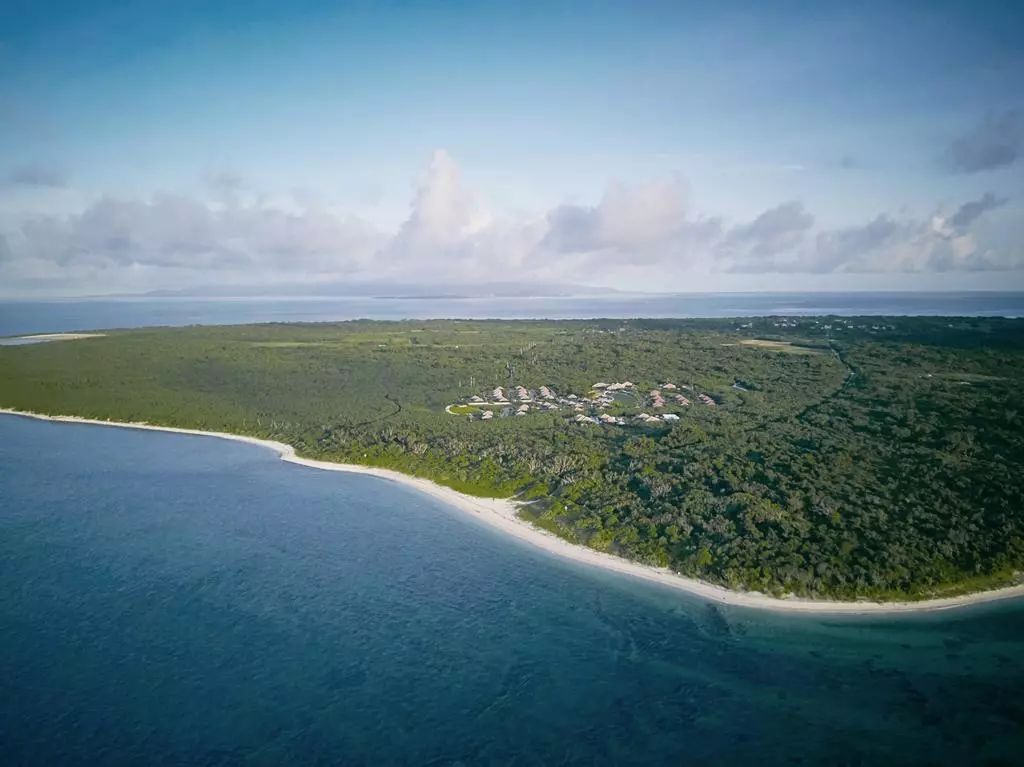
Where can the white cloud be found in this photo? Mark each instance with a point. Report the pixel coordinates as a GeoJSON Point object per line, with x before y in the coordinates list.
{"type": "Point", "coordinates": [444, 214]}
{"type": "Point", "coordinates": [642, 225]}
{"type": "Point", "coordinates": [625, 220]}
{"type": "Point", "coordinates": [450, 235]}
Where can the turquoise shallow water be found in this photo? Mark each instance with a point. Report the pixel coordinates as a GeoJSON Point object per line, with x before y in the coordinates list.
{"type": "Point", "coordinates": [168, 599]}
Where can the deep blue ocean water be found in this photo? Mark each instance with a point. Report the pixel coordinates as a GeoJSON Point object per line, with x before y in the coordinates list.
{"type": "Point", "coordinates": [167, 599]}
{"type": "Point", "coordinates": [65, 315]}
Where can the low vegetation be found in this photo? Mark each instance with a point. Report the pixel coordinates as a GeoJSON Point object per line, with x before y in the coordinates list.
{"type": "Point", "coordinates": [884, 459]}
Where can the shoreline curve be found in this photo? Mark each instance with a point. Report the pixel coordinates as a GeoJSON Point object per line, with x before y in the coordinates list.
{"type": "Point", "coordinates": [500, 513]}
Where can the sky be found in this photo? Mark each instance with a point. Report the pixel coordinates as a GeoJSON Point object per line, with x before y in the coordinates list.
{"type": "Point", "coordinates": [643, 146]}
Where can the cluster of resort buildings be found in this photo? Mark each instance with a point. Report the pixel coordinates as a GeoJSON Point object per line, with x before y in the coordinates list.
{"type": "Point", "coordinates": [519, 401]}
{"type": "Point", "coordinates": [657, 400]}
{"type": "Point", "coordinates": [816, 324]}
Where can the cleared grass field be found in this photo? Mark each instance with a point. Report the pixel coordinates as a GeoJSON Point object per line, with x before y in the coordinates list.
{"type": "Point", "coordinates": [780, 346]}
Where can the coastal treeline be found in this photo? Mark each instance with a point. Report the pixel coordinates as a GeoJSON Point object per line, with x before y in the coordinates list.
{"type": "Point", "coordinates": [845, 457]}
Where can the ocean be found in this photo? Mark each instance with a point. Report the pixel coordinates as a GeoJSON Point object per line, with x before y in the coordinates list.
{"type": "Point", "coordinates": [170, 599]}
{"type": "Point", "coordinates": [18, 317]}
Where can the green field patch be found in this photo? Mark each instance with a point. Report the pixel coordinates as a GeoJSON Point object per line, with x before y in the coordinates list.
{"type": "Point", "coordinates": [969, 377]}
{"type": "Point", "coordinates": [287, 344]}
{"type": "Point", "coordinates": [463, 409]}
{"type": "Point", "coordinates": [787, 347]}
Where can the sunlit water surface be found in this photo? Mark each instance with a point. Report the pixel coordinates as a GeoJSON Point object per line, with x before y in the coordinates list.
{"type": "Point", "coordinates": [18, 317]}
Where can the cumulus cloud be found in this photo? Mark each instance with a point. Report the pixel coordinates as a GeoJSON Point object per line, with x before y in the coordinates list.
{"type": "Point", "coordinates": [450, 234]}
{"type": "Point", "coordinates": [781, 240]}
{"type": "Point", "coordinates": [444, 214]}
{"type": "Point", "coordinates": [970, 211]}
{"type": "Point", "coordinates": [998, 141]}
{"type": "Point", "coordinates": [877, 245]}
{"type": "Point", "coordinates": [624, 219]}
{"type": "Point", "coordinates": [887, 244]}
{"type": "Point", "coordinates": [36, 174]}
{"type": "Point", "coordinates": [775, 232]}
{"type": "Point", "coordinates": [642, 224]}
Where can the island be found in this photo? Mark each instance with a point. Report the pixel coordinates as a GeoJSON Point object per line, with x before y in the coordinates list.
{"type": "Point", "coordinates": [823, 458]}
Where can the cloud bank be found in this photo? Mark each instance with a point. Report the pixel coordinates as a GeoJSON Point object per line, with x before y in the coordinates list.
{"type": "Point", "coordinates": [174, 231]}
{"type": "Point", "coordinates": [450, 235]}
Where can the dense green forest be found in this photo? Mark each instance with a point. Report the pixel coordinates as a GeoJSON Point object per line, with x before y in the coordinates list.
{"type": "Point", "coordinates": [857, 457]}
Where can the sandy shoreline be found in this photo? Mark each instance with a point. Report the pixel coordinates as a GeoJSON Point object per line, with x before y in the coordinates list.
{"type": "Point", "coordinates": [501, 514]}
{"type": "Point", "coordinates": [54, 337]}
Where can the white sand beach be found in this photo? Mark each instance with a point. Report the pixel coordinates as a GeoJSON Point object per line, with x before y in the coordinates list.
{"type": "Point", "coordinates": [501, 514]}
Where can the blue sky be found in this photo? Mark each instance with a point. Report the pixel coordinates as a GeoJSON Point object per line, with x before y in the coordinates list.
{"type": "Point", "coordinates": [689, 146]}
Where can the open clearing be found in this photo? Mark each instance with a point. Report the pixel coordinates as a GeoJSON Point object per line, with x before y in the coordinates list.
{"type": "Point", "coordinates": [787, 347]}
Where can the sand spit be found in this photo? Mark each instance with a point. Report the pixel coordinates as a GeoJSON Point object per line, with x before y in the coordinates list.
{"type": "Point", "coordinates": [46, 337]}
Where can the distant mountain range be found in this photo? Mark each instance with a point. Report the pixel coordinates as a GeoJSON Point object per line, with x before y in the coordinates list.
{"type": "Point", "coordinates": [386, 290]}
